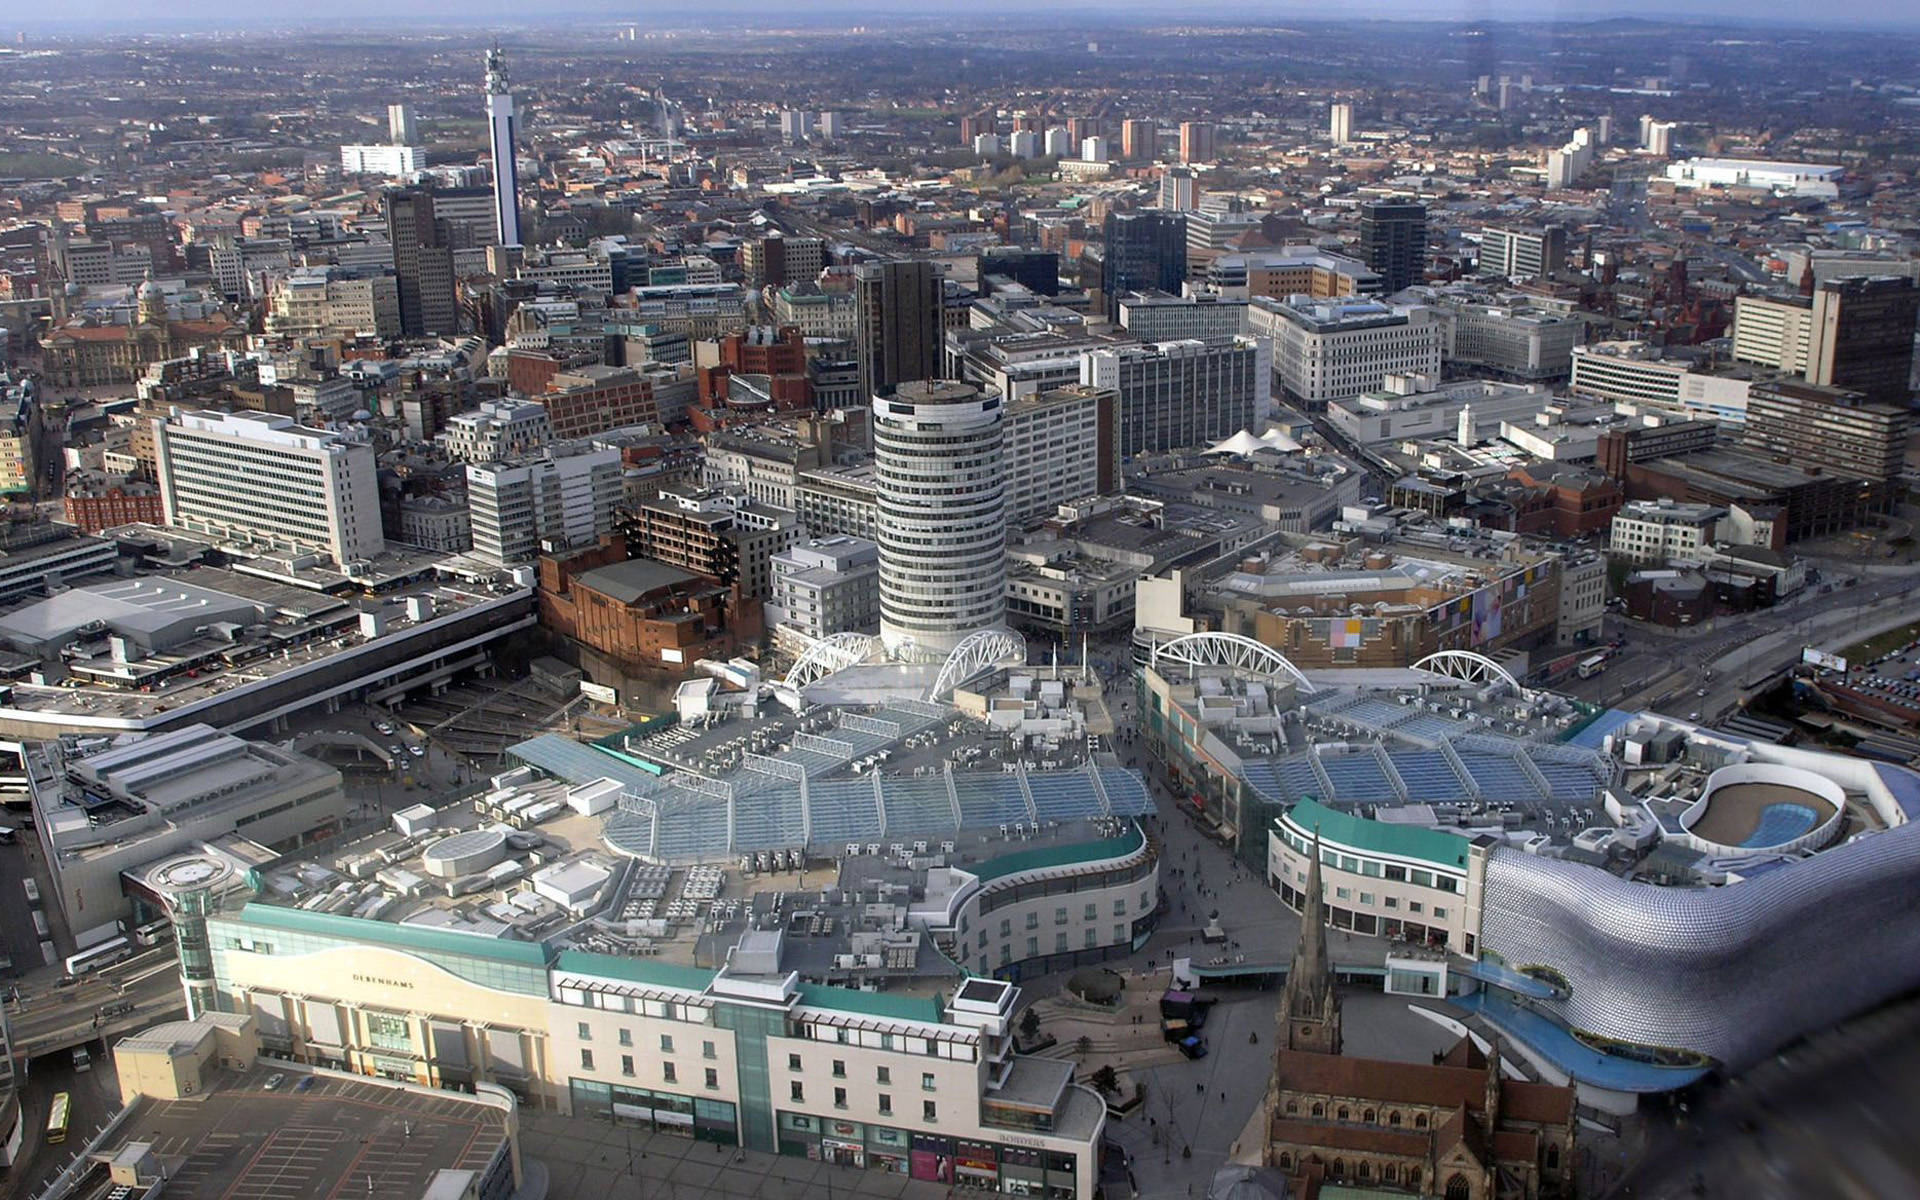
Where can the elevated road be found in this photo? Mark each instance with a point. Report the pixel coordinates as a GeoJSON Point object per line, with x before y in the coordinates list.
{"type": "Point", "coordinates": [49, 1019]}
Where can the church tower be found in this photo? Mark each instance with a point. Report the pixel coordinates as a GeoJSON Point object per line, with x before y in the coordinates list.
{"type": "Point", "coordinates": [1309, 1010]}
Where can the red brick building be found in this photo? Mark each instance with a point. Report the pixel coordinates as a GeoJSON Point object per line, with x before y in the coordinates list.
{"type": "Point", "coordinates": [1580, 501]}
{"type": "Point", "coordinates": [761, 370]}
{"type": "Point", "coordinates": [95, 509]}
{"type": "Point", "coordinates": [590, 400]}
{"type": "Point", "coordinates": [641, 613]}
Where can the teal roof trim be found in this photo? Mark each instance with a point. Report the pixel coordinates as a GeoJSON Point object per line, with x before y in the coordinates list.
{"type": "Point", "coordinates": [1404, 841]}
{"type": "Point", "coordinates": [422, 938]}
{"type": "Point", "coordinates": [635, 970]}
{"type": "Point", "coordinates": [1042, 857]}
{"type": "Point", "coordinates": [873, 1004]}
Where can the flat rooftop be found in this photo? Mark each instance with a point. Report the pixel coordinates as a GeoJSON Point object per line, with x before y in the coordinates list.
{"type": "Point", "coordinates": [294, 628]}
{"type": "Point", "coordinates": [240, 1141]}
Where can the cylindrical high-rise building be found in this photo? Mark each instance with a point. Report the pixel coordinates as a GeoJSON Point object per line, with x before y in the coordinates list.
{"type": "Point", "coordinates": [501, 121]}
{"type": "Point", "coordinates": [942, 515]}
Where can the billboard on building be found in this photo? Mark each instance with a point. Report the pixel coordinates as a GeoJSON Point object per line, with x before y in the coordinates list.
{"type": "Point", "coordinates": [1820, 658]}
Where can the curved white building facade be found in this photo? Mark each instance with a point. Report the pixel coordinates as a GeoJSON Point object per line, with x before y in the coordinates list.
{"type": "Point", "coordinates": [939, 463]}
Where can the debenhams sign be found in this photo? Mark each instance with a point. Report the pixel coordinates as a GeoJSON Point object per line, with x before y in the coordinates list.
{"type": "Point", "coordinates": [392, 983]}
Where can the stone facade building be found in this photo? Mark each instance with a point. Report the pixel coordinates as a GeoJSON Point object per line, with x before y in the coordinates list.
{"type": "Point", "coordinates": [1458, 1129]}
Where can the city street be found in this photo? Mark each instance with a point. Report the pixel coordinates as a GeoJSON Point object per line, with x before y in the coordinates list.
{"type": "Point", "coordinates": [1667, 668]}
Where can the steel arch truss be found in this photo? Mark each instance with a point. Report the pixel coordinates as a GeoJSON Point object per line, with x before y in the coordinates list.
{"type": "Point", "coordinates": [1229, 650]}
{"type": "Point", "coordinates": [831, 653]}
{"type": "Point", "coordinates": [976, 652]}
{"type": "Point", "coordinates": [1467, 666]}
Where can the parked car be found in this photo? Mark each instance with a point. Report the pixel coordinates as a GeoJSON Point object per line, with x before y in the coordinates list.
{"type": "Point", "coordinates": [275, 1080]}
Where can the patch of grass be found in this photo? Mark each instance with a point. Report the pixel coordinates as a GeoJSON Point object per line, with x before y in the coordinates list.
{"type": "Point", "coordinates": [29, 164]}
{"type": "Point", "coordinates": [1868, 649]}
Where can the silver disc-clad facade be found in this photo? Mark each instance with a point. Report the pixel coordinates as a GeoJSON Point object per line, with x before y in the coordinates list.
{"type": "Point", "coordinates": [1732, 972]}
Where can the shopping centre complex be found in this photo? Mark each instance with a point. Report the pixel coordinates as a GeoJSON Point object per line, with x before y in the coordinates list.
{"type": "Point", "coordinates": [1635, 899]}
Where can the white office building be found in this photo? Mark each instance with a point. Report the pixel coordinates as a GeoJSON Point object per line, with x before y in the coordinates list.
{"type": "Point", "coordinates": [939, 458]}
{"type": "Point", "coordinates": [1635, 373]}
{"type": "Point", "coordinates": [1774, 331]}
{"type": "Point", "coordinates": [828, 586]}
{"type": "Point", "coordinates": [1062, 446]}
{"type": "Point", "coordinates": [1656, 137]}
{"type": "Point", "coordinates": [401, 130]}
{"type": "Point", "coordinates": [259, 478]}
{"type": "Point", "coordinates": [1780, 178]}
{"type": "Point", "coordinates": [382, 160]}
{"type": "Point", "coordinates": [1333, 350]}
{"type": "Point", "coordinates": [1059, 142]}
{"type": "Point", "coordinates": [565, 496]}
{"type": "Point", "coordinates": [1340, 123]}
{"type": "Point", "coordinates": [1155, 317]}
{"type": "Point", "coordinates": [1513, 339]}
{"type": "Point", "coordinates": [1179, 190]}
{"type": "Point", "coordinates": [1093, 149]}
{"type": "Point", "coordinates": [1570, 161]}
{"type": "Point", "coordinates": [1659, 531]}
{"type": "Point", "coordinates": [498, 429]}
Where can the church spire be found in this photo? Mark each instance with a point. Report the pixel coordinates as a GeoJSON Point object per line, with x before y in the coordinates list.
{"type": "Point", "coordinates": [1310, 955]}
{"type": "Point", "coordinates": [1309, 1007]}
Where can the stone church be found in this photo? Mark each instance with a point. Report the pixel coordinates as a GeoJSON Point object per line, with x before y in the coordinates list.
{"type": "Point", "coordinates": [1458, 1129]}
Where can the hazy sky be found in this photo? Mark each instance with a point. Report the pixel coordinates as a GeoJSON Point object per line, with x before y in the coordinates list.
{"type": "Point", "coordinates": [129, 13]}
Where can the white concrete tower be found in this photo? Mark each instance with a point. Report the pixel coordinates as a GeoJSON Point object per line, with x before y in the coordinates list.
{"type": "Point", "coordinates": [942, 515]}
{"type": "Point", "coordinates": [506, 170]}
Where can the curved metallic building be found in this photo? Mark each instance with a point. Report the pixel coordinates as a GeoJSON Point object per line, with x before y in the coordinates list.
{"type": "Point", "coordinates": [1732, 972]}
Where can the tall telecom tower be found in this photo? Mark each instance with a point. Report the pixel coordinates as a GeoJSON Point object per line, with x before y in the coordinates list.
{"type": "Point", "coordinates": [500, 128]}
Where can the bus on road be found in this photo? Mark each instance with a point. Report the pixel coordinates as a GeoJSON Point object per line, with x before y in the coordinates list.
{"type": "Point", "coordinates": [1593, 666]}
{"type": "Point", "coordinates": [104, 955]}
{"type": "Point", "coordinates": [57, 1118]}
{"type": "Point", "coordinates": [153, 932]}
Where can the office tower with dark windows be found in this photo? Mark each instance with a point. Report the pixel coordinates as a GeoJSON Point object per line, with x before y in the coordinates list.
{"type": "Point", "coordinates": [1146, 251]}
{"type": "Point", "coordinates": [1393, 243]}
{"type": "Point", "coordinates": [900, 310]}
{"type": "Point", "coordinates": [1178, 394]}
{"type": "Point", "coordinates": [422, 263]}
{"type": "Point", "coordinates": [1862, 336]}
{"type": "Point", "coordinates": [1036, 270]}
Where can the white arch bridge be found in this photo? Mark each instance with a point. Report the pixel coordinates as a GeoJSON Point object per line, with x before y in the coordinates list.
{"type": "Point", "coordinates": [1468, 667]}
{"type": "Point", "coordinates": [1230, 650]}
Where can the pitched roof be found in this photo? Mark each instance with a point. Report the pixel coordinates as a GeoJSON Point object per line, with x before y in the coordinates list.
{"type": "Point", "coordinates": [1330, 1136]}
{"type": "Point", "coordinates": [1417, 1083]}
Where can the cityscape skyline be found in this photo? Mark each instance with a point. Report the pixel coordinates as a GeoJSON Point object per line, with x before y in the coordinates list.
{"type": "Point", "coordinates": [1086, 603]}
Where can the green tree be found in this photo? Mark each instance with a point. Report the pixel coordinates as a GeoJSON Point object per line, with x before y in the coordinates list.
{"type": "Point", "coordinates": [1105, 1081]}
{"type": "Point", "coordinates": [1030, 1025]}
